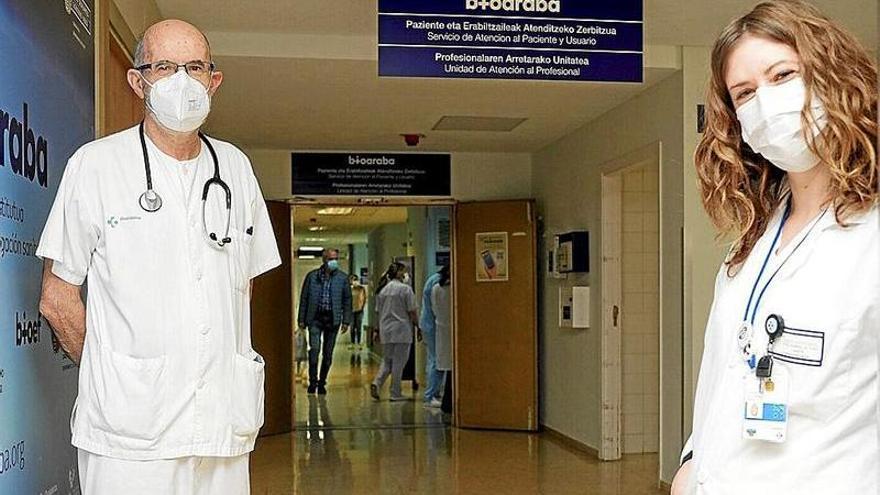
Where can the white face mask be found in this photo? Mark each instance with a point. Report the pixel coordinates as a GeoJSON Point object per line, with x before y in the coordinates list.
{"type": "Point", "coordinates": [406, 278]}
{"type": "Point", "coordinates": [179, 102]}
{"type": "Point", "coordinates": [771, 125]}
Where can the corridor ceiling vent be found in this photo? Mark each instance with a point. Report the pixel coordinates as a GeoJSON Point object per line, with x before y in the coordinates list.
{"type": "Point", "coordinates": [477, 124]}
{"type": "Point", "coordinates": [337, 211]}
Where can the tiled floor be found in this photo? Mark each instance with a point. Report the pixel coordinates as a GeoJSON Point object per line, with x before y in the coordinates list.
{"type": "Point", "coordinates": [348, 444]}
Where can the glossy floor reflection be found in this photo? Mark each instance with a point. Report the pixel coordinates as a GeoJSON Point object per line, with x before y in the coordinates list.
{"type": "Point", "coordinates": [348, 444]}
{"type": "Point", "coordinates": [348, 403]}
{"type": "Point", "coordinates": [439, 461]}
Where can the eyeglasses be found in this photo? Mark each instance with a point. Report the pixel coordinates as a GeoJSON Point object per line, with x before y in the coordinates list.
{"type": "Point", "coordinates": [198, 69]}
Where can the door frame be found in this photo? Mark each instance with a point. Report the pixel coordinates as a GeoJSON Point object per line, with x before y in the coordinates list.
{"type": "Point", "coordinates": [612, 296]}
{"type": "Point", "coordinates": [612, 300]}
{"type": "Point", "coordinates": [355, 202]}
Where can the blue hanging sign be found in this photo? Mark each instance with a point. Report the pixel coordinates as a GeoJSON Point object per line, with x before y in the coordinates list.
{"type": "Point", "coordinates": [557, 40]}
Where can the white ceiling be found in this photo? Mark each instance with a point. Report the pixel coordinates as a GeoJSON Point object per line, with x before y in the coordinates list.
{"type": "Point", "coordinates": [302, 74]}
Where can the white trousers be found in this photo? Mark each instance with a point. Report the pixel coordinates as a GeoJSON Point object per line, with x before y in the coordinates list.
{"type": "Point", "coordinates": [394, 358]}
{"type": "Point", "coordinates": [101, 475]}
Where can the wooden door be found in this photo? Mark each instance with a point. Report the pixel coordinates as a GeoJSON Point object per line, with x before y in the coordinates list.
{"type": "Point", "coordinates": [123, 108]}
{"type": "Point", "coordinates": [272, 326]}
{"type": "Point", "coordinates": [496, 345]}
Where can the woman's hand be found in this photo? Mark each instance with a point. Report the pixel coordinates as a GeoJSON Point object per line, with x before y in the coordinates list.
{"type": "Point", "coordinates": [682, 479]}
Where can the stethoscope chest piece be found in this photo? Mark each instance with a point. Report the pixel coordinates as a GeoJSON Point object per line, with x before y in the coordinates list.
{"type": "Point", "coordinates": [150, 201]}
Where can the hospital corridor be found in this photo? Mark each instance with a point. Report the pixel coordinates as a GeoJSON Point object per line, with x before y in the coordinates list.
{"type": "Point", "coordinates": [445, 247]}
{"type": "Point", "coordinates": [348, 443]}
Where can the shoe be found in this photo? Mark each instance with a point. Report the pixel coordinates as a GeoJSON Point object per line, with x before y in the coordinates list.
{"type": "Point", "coordinates": [322, 390]}
{"type": "Point", "coordinates": [312, 388]}
{"type": "Point", "coordinates": [399, 399]}
{"type": "Point", "coordinates": [434, 403]}
{"type": "Point", "coordinates": [374, 391]}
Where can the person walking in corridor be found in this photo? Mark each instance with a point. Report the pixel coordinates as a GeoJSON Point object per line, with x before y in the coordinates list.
{"type": "Point", "coordinates": [441, 302]}
{"type": "Point", "coordinates": [398, 316]}
{"type": "Point", "coordinates": [427, 324]}
{"type": "Point", "coordinates": [324, 309]}
{"type": "Point", "coordinates": [359, 302]}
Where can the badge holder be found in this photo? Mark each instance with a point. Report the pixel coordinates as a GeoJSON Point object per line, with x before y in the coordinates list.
{"type": "Point", "coordinates": [767, 394]}
{"type": "Point", "coordinates": [766, 407]}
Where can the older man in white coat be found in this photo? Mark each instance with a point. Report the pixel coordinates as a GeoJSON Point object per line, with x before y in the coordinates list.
{"type": "Point", "coordinates": [170, 227]}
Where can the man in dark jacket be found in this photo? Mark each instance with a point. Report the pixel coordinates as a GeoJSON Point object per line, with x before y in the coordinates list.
{"type": "Point", "coordinates": [324, 309]}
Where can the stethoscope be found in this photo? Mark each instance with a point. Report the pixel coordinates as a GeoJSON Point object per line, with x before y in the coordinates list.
{"type": "Point", "coordinates": [151, 202]}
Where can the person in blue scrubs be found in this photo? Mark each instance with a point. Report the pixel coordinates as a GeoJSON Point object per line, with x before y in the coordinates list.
{"type": "Point", "coordinates": [434, 378]}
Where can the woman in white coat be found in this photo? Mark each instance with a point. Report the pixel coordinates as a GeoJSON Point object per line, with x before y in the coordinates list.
{"type": "Point", "coordinates": [787, 395]}
{"type": "Point", "coordinates": [396, 304]}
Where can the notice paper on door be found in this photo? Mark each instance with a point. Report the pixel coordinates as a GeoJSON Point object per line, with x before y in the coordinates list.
{"type": "Point", "coordinates": [491, 257]}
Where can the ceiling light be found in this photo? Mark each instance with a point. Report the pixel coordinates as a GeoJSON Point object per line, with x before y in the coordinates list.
{"type": "Point", "coordinates": [337, 211]}
{"type": "Point", "coordinates": [311, 248]}
{"type": "Point", "coordinates": [307, 257]}
{"type": "Point", "coordinates": [473, 123]}
{"type": "Point", "coordinates": [316, 239]}
{"type": "Point", "coordinates": [317, 229]}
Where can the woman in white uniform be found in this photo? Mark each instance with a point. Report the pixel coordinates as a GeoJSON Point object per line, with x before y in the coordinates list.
{"type": "Point", "coordinates": [396, 304]}
{"type": "Point", "coordinates": [787, 395]}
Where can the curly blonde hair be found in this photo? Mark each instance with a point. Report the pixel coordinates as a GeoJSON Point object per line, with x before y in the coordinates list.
{"type": "Point", "coordinates": [741, 189]}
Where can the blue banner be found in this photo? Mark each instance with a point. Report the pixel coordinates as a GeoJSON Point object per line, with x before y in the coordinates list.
{"type": "Point", "coordinates": [46, 112]}
{"type": "Point", "coordinates": [621, 10]}
{"type": "Point", "coordinates": [512, 39]}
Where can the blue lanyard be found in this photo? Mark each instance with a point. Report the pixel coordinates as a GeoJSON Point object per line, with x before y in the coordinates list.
{"type": "Point", "coordinates": [764, 267]}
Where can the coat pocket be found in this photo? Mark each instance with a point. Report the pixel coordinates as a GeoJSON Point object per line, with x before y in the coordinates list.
{"type": "Point", "coordinates": [248, 395]}
{"type": "Point", "coordinates": [240, 259]}
{"type": "Point", "coordinates": [127, 395]}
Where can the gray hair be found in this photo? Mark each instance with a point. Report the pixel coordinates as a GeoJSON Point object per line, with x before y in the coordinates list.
{"type": "Point", "coordinates": [328, 252]}
{"type": "Point", "coordinates": [139, 55]}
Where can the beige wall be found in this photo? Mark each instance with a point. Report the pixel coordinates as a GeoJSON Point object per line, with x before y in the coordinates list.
{"type": "Point", "coordinates": [703, 253]}
{"type": "Point", "coordinates": [475, 176]}
{"type": "Point", "coordinates": [138, 14]}
{"type": "Point", "coordinates": [566, 182]}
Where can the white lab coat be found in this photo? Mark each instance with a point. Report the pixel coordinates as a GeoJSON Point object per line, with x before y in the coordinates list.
{"type": "Point", "coordinates": [168, 369]}
{"type": "Point", "coordinates": [830, 284]}
{"type": "Point", "coordinates": [441, 303]}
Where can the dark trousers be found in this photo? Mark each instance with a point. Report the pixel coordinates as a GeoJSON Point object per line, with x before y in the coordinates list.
{"type": "Point", "coordinates": [447, 395]}
{"type": "Point", "coordinates": [356, 327]}
{"type": "Point", "coordinates": [322, 340]}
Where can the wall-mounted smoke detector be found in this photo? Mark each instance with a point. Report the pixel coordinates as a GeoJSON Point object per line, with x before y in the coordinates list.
{"type": "Point", "coordinates": [478, 124]}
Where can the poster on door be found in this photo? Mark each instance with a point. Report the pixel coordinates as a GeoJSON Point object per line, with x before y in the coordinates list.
{"type": "Point", "coordinates": [492, 257]}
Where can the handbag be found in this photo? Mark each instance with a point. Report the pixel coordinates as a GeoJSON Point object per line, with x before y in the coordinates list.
{"type": "Point", "coordinates": [302, 346]}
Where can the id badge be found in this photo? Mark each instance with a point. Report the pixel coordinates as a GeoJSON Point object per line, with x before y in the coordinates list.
{"type": "Point", "coordinates": [766, 407]}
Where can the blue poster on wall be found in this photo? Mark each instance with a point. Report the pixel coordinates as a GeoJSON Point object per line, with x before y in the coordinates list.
{"type": "Point", "coordinates": [561, 40]}
{"type": "Point", "coordinates": [46, 112]}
